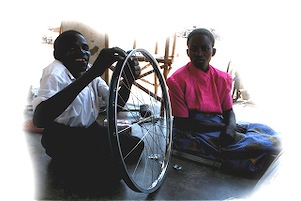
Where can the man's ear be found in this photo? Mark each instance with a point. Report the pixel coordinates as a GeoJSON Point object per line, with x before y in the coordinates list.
{"type": "Point", "coordinates": [213, 51]}
{"type": "Point", "coordinates": [58, 54]}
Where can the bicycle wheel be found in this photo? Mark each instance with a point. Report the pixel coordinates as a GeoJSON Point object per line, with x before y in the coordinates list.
{"type": "Point", "coordinates": [148, 121]}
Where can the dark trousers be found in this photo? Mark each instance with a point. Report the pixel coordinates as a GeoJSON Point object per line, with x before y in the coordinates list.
{"type": "Point", "coordinates": [82, 157]}
{"type": "Point", "coordinates": [76, 143]}
{"type": "Point", "coordinates": [86, 151]}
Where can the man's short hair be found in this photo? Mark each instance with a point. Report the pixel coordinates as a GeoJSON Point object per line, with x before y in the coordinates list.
{"type": "Point", "coordinates": [60, 42]}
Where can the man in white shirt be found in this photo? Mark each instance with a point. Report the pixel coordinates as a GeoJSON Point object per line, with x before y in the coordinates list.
{"type": "Point", "coordinates": [69, 98]}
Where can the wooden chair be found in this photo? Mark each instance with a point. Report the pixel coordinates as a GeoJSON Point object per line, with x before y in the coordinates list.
{"type": "Point", "coordinates": [168, 58]}
{"type": "Point", "coordinates": [164, 53]}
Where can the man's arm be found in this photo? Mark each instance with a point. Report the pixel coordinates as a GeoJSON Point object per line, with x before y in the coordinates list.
{"type": "Point", "coordinates": [131, 72]}
{"type": "Point", "coordinates": [47, 111]}
{"type": "Point", "coordinates": [124, 93]}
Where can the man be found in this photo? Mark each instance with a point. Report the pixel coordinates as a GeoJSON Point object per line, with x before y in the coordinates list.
{"type": "Point", "coordinates": [69, 99]}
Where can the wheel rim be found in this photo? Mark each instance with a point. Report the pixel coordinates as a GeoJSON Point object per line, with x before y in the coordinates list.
{"type": "Point", "coordinates": [155, 131]}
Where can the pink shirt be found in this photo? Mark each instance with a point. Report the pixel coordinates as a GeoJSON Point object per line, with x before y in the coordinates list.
{"type": "Point", "coordinates": [193, 89]}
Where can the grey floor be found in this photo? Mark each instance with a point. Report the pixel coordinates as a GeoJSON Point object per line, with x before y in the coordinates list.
{"type": "Point", "coordinates": [194, 181]}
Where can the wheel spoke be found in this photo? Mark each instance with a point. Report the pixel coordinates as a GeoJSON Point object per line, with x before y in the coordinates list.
{"type": "Point", "coordinates": [151, 126]}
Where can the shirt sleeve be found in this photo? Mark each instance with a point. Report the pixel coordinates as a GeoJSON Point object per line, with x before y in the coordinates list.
{"type": "Point", "coordinates": [177, 98]}
{"type": "Point", "coordinates": [103, 91]}
{"type": "Point", "coordinates": [49, 86]}
{"type": "Point", "coordinates": [227, 102]}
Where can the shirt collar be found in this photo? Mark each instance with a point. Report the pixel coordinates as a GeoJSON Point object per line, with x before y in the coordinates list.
{"type": "Point", "coordinates": [70, 75]}
{"type": "Point", "coordinates": [66, 70]}
{"type": "Point", "coordinates": [199, 73]}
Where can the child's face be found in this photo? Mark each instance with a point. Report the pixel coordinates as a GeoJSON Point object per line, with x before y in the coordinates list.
{"type": "Point", "coordinates": [76, 55]}
{"type": "Point", "coordinates": [200, 51]}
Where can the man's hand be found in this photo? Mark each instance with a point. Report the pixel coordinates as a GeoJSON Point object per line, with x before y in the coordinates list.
{"type": "Point", "coordinates": [132, 69]}
{"type": "Point", "coordinates": [105, 59]}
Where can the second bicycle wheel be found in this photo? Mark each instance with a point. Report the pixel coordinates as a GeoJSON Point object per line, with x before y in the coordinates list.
{"type": "Point", "coordinates": [141, 131]}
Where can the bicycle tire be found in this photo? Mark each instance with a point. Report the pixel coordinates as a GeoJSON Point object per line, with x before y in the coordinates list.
{"type": "Point", "coordinates": [153, 131]}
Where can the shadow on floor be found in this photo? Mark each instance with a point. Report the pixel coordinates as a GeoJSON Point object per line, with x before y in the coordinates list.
{"type": "Point", "coordinates": [193, 182]}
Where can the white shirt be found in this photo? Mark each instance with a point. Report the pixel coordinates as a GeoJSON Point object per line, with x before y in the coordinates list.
{"type": "Point", "coordinates": [84, 110]}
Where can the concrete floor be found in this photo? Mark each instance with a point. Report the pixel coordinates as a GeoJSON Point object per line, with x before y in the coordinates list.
{"type": "Point", "coordinates": [194, 181]}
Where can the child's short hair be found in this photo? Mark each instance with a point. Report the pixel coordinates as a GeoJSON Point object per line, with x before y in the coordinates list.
{"type": "Point", "coordinates": [201, 31]}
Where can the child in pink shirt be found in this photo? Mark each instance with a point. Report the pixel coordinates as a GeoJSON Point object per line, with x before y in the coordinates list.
{"type": "Point", "coordinates": [199, 87]}
{"type": "Point", "coordinates": [204, 121]}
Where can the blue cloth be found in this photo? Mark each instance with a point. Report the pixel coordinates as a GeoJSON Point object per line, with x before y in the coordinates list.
{"type": "Point", "coordinates": [254, 147]}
